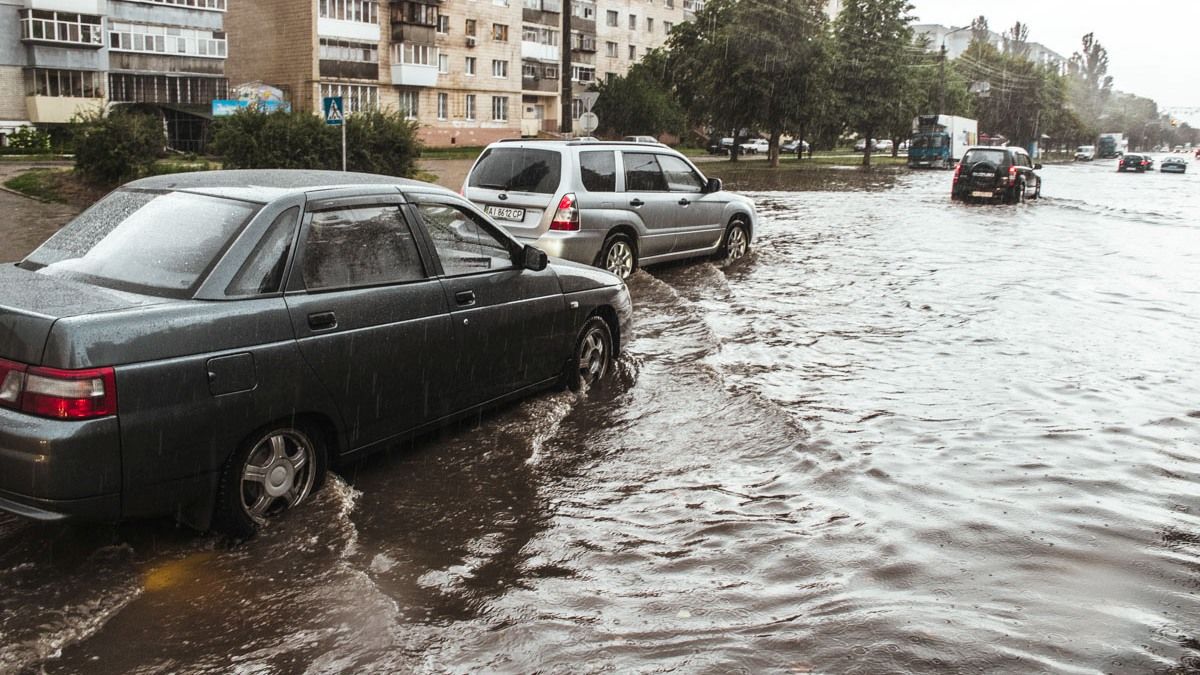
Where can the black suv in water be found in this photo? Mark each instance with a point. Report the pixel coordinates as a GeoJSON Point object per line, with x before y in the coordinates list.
{"type": "Point", "coordinates": [1006, 174]}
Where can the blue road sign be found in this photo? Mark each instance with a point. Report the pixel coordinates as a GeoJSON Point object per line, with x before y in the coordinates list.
{"type": "Point", "coordinates": [335, 114]}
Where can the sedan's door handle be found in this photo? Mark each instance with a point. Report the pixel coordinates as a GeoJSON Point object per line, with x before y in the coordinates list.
{"type": "Point", "coordinates": [322, 321]}
{"type": "Point", "coordinates": [684, 202]}
{"type": "Point", "coordinates": [636, 203]}
{"type": "Point", "coordinates": [465, 298]}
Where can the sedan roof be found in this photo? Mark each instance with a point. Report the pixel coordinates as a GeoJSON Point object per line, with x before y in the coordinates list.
{"type": "Point", "coordinates": [266, 185]}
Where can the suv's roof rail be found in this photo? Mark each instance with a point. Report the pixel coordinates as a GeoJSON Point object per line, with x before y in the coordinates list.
{"type": "Point", "coordinates": [570, 141]}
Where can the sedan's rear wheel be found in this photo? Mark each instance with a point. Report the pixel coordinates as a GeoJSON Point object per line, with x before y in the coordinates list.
{"type": "Point", "coordinates": [593, 355]}
{"type": "Point", "coordinates": [619, 256]}
{"type": "Point", "coordinates": [273, 471]}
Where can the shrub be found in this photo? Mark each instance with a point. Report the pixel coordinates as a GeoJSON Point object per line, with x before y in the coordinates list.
{"type": "Point", "coordinates": [377, 142]}
{"type": "Point", "coordinates": [113, 148]}
{"type": "Point", "coordinates": [28, 141]}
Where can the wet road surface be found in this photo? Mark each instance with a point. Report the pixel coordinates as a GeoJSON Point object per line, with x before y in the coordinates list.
{"type": "Point", "coordinates": [905, 436]}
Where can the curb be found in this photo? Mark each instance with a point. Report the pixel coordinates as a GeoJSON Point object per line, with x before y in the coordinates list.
{"type": "Point", "coordinates": [22, 194]}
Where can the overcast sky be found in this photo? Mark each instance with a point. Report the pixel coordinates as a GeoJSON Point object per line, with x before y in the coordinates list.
{"type": "Point", "coordinates": [1153, 45]}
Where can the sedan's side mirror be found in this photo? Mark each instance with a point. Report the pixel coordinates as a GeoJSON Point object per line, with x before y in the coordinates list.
{"type": "Point", "coordinates": [714, 185]}
{"type": "Point", "coordinates": [534, 258]}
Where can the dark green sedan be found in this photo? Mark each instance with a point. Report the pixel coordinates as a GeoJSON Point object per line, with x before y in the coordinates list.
{"type": "Point", "coordinates": [207, 345]}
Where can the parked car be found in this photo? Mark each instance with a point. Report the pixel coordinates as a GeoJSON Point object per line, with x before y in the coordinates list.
{"type": "Point", "coordinates": [861, 145]}
{"type": "Point", "coordinates": [206, 345]}
{"type": "Point", "coordinates": [794, 146]}
{"type": "Point", "coordinates": [642, 139]}
{"type": "Point", "coordinates": [755, 146]}
{"type": "Point", "coordinates": [884, 145]}
{"type": "Point", "coordinates": [1174, 165]}
{"type": "Point", "coordinates": [988, 173]}
{"type": "Point", "coordinates": [612, 205]}
{"type": "Point", "coordinates": [1085, 153]}
{"type": "Point", "coordinates": [1132, 162]}
{"type": "Point", "coordinates": [720, 146]}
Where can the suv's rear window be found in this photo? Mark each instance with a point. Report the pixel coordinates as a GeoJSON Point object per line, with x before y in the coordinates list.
{"type": "Point", "coordinates": [519, 170]}
{"type": "Point", "coordinates": [159, 243]}
{"type": "Point", "coordinates": [997, 157]}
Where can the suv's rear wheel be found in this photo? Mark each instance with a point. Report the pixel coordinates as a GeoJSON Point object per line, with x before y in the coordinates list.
{"type": "Point", "coordinates": [619, 256]}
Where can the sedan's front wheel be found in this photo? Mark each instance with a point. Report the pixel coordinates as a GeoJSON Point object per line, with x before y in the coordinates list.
{"type": "Point", "coordinates": [273, 471]}
{"type": "Point", "coordinates": [593, 355]}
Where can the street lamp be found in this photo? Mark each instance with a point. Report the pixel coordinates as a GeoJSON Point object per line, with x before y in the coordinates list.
{"type": "Point", "coordinates": [942, 70]}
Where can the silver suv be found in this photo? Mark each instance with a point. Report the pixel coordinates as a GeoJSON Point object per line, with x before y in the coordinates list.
{"type": "Point", "coordinates": [612, 205]}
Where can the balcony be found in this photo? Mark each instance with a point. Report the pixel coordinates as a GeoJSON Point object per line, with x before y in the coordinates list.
{"type": "Point", "coordinates": [77, 6]}
{"type": "Point", "coordinates": [59, 109]}
{"type": "Point", "coordinates": [348, 70]}
{"type": "Point", "coordinates": [539, 52]}
{"type": "Point", "coordinates": [540, 84]}
{"type": "Point", "coordinates": [348, 30]}
{"type": "Point", "coordinates": [413, 33]}
{"type": "Point", "coordinates": [61, 29]}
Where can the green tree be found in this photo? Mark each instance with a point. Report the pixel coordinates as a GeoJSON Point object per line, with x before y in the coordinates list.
{"type": "Point", "coordinates": [872, 39]}
{"type": "Point", "coordinates": [642, 102]}
{"type": "Point", "coordinates": [112, 148]}
{"type": "Point", "coordinates": [1091, 85]}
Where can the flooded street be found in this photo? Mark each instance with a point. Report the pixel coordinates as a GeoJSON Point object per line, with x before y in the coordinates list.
{"type": "Point", "coordinates": [904, 436]}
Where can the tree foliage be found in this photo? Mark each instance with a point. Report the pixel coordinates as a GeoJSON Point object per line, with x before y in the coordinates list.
{"type": "Point", "coordinates": [873, 40]}
{"type": "Point", "coordinates": [641, 102]}
{"type": "Point", "coordinates": [115, 147]}
{"type": "Point", "coordinates": [378, 142]}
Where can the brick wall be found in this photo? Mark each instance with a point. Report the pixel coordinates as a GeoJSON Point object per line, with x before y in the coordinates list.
{"type": "Point", "coordinates": [274, 41]}
{"type": "Point", "coordinates": [12, 94]}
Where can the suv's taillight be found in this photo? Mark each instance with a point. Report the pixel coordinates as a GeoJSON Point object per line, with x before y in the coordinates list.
{"type": "Point", "coordinates": [1012, 174]}
{"type": "Point", "coordinates": [957, 171]}
{"type": "Point", "coordinates": [60, 394]}
{"type": "Point", "coordinates": [566, 218]}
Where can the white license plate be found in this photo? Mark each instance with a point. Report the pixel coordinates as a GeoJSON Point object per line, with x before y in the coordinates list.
{"type": "Point", "coordinates": [982, 194]}
{"type": "Point", "coordinates": [503, 213]}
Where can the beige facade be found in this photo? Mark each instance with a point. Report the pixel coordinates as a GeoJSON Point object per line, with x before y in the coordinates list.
{"type": "Point", "coordinates": [12, 93]}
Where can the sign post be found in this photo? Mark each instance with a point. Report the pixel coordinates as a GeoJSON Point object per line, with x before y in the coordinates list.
{"type": "Point", "coordinates": [335, 115]}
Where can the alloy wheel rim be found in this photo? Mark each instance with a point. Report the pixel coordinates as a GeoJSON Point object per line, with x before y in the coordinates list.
{"type": "Point", "coordinates": [737, 243]}
{"type": "Point", "coordinates": [592, 357]}
{"type": "Point", "coordinates": [278, 475]}
{"type": "Point", "coordinates": [620, 260]}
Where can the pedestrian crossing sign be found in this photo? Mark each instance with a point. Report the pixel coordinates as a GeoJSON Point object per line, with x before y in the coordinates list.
{"type": "Point", "coordinates": [334, 111]}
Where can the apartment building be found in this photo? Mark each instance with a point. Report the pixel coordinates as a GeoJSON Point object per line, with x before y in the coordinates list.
{"type": "Point", "coordinates": [62, 57]}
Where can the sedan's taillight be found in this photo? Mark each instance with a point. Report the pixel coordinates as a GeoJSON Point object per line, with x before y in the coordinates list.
{"type": "Point", "coordinates": [566, 218]}
{"type": "Point", "coordinates": [59, 394]}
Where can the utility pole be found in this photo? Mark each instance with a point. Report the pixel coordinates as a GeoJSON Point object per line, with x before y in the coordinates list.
{"type": "Point", "coordinates": [942, 80]}
{"type": "Point", "coordinates": [564, 73]}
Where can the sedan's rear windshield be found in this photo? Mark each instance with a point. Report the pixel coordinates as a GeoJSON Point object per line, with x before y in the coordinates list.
{"type": "Point", "coordinates": [519, 170]}
{"type": "Point", "coordinates": [997, 157]}
{"type": "Point", "coordinates": [158, 243]}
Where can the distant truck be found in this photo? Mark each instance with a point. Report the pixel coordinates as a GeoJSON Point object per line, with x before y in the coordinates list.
{"type": "Point", "coordinates": [1110, 146]}
{"type": "Point", "coordinates": [938, 141]}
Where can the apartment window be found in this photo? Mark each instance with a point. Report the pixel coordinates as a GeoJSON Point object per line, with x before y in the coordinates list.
{"type": "Point", "coordinates": [443, 24]}
{"type": "Point", "coordinates": [633, 22]}
{"type": "Point", "coordinates": [356, 97]}
{"type": "Point", "coordinates": [539, 35]}
{"type": "Point", "coordinates": [611, 50]}
{"type": "Point", "coordinates": [64, 83]}
{"type": "Point", "coordinates": [194, 4]}
{"type": "Point", "coordinates": [533, 4]}
{"type": "Point", "coordinates": [443, 105]}
{"type": "Point", "coordinates": [670, 4]}
{"type": "Point", "coordinates": [611, 18]}
{"type": "Point", "coordinates": [667, 26]}
{"type": "Point", "coordinates": [583, 74]}
{"type": "Point", "coordinates": [414, 54]}
{"type": "Point", "coordinates": [500, 32]}
{"type": "Point", "coordinates": [469, 27]}
{"type": "Point", "coordinates": [632, 53]}
{"type": "Point", "coordinates": [499, 108]}
{"type": "Point", "coordinates": [166, 89]}
{"type": "Point", "coordinates": [361, 11]}
{"type": "Point", "coordinates": [470, 106]}
{"type": "Point", "coordinates": [469, 66]}
{"type": "Point", "coordinates": [649, 25]}
{"type": "Point", "coordinates": [343, 50]}
{"type": "Point", "coordinates": [499, 68]}
{"type": "Point", "coordinates": [409, 103]}
{"type": "Point", "coordinates": [132, 37]}
{"type": "Point", "coordinates": [584, 10]}
{"type": "Point", "coordinates": [576, 108]}
{"type": "Point", "coordinates": [81, 29]}
{"type": "Point", "coordinates": [443, 61]}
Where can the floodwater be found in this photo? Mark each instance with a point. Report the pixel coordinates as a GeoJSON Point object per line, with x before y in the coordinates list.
{"type": "Point", "coordinates": [904, 436]}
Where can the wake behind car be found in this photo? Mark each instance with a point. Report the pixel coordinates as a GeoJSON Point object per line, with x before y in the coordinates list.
{"type": "Point", "coordinates": [988, 173]}
{"type": "Point", "coordinates": [206, 345]}
{"type": "Point", "coordinates": [612, 205]}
